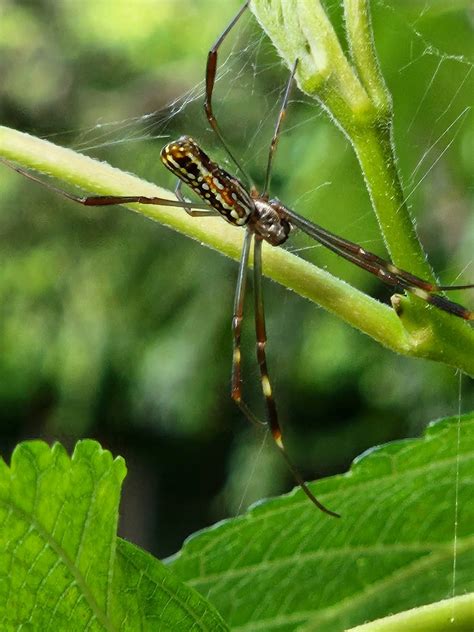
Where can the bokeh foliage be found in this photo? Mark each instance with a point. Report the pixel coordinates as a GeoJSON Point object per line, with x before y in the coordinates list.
{"type": "Point", "coordinates": [114, 327]}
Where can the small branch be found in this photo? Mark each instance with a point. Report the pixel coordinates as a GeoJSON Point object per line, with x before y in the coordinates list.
{"type": "Point", "coordinates": [366, 314]}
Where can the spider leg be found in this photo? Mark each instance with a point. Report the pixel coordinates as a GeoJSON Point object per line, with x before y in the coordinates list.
{"type": "Point", "coordinates": [236, 390]}
{"type": "Point", "coordinates": [386, 271]}
{"type": "Point", "coordinates": [188, 206]}
{"type": "Point", "coordinates": [272, 414]}
{"type": "Point", "coordinates": [211, 69]}
{"type": "Point", "coordinates": [110, 200]}
{"type": "Point", "coordinates": [276, 133]}
{"type": "Point", "coordinates": [237, 318]}
{"type": "Point", "coordinates": [401, 280]}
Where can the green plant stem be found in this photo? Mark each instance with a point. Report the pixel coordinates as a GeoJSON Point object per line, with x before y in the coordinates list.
{"type": "Point", "coordinates": [455, 615]}
{"type": "Point", "coordinates": [374, 149]}
{"type": "Point", "coordinates": [364, 56]}
{"type": "Point", "coordinates": [439, 336]}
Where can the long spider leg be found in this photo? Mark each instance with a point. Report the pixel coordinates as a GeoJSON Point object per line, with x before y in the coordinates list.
{"type": "Point", "coordinates": [401, 284]}
{"type": "Point", "coordinates": [272, 414]}
{"type": "Point", "coordinates": [211, 68]}
{"type": "Point", "coordinates": [382, 269]}
{"type": "Point", "coordinates": [109, 200]}
{"type": "Point", "coordinates": [237, 318]}
{"type": "Point", "coordinates": [318, 232]}
{"type": "Point", "coordinates": [276, 133]}
{"type": "Point", "coordinates": [188, 205]}
{"type": "Point", "coordinates": [236, 390]}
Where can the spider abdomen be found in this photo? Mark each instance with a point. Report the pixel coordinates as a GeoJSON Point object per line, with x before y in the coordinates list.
{"type": "Point", "coordinates": [216, 187]}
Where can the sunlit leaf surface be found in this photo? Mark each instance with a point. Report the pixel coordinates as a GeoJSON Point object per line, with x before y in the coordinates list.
{"type": "Point", "coordinates": [286, 566]}
{"type": "Point", "coordinates": [60, 565]}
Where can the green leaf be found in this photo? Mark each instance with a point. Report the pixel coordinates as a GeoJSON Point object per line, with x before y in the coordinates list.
{"type": "Point", "coordinates": [61, 564]}
{"type": "Point", "coordinates": [285, 566]}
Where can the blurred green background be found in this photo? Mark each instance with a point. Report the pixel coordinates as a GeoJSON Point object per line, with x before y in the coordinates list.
{"type": "Point", "coordinates": [117, 328]}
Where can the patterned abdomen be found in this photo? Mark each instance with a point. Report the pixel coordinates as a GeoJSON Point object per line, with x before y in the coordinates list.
{"type": "Point", "coordinates": [216, 187]}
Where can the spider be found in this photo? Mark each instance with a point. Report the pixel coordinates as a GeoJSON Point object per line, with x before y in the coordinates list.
{"type": "Point", "coordinates": [263, 219]}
